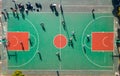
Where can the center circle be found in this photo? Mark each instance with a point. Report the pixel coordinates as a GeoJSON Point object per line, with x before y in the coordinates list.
{"type": "Point", "coordinates": [60, 41]}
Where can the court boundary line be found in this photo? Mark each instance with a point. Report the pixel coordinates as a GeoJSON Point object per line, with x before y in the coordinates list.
{"type": "Point", "coordinates": [38, 43]}
{"type": "Point", "coordinates": [85, 5]}
{"type": "Point", "coordinates": [73, 12]}
{"type": "Point", "coordinates": [66, 12]}
{"type": "Point", "coordinates": [63, 70]}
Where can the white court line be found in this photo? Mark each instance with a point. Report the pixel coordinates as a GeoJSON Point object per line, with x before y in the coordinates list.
{"type": "Point", "coordinates": [75, 12]}
{"type": "Point", "coordinates": [103, 41]}
{"type": "Point", "coordinates": [67, 12]}
{"type": "Point", "coordinates": [16, 39]}
{"type": "Point", "coordinates": [50, 70]}
{"type": "Point", "coordinates": [67, 5]}
{"type": "Point", "coordinates": [60, 29]}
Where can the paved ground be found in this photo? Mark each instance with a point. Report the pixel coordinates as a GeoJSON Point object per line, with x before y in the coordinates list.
{"type": "Point", "coordinates": [68, 5]}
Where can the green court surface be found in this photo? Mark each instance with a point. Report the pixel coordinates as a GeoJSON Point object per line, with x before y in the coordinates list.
{"type": "Point", "coordinates": [42, 41]}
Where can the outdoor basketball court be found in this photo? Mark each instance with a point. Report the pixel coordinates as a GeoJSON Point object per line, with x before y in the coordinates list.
{"type": "Point", "coordinates": [72, 41]}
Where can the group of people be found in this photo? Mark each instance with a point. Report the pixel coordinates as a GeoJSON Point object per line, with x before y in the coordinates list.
{"type": "Point", "coordinates": [19, 7]}
{"type": "Point", "coordinates": [28, 6]}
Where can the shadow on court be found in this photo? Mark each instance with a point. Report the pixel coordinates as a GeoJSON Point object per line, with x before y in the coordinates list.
{"type": "Point", "coordinates": [17, 16]}
{"type": "Point", "coordinates": [12, 55]}
{"type": "Point", "coordinates": [57, 73]}
{"type": "Point", "coordinates": [58, 55]}
{"type": "Point", "coordinates": [43, 27]}
{"type": "Point", "coordinates": [40, 56]}
{"type": "Point", "coordinates": [93, 14]}
{"type": "Point", "coordinates": [64, 22]}
{"type": "Point", "coordinates": [23, 15]}
{"type": "Point", "coordinates": [15, 55]}
{"type": "Point", "coordinates": [30, 41]}
{"type": "Point", "coordinates": [70, 43]}
{"type": "Point", "coordinates": [22, 46]}
{"type": "Point", "coordinates": [84, 49]}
